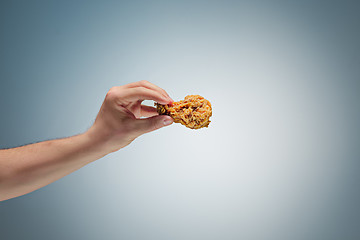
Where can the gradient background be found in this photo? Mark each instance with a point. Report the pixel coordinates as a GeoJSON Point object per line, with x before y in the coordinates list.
{"type": "Point", "coordinates": [280, 160]}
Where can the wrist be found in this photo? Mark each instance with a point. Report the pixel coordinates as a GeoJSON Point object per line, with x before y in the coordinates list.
{"type": "Point", "coordinates": [99, 143]}
{"type": "Point", "coordinates": [96, 145]}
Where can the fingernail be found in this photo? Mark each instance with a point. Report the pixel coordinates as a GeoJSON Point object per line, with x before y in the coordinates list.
{"type": "Point", "coordinates": [171, 100]}
{"type": "Point", "coordinates": [168, 121]}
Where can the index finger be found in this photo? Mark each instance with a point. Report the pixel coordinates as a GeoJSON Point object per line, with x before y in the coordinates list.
{"type": "Point", "coordinates": [149, 85]}
{"type": "Point", "coordinates": [142, 93]}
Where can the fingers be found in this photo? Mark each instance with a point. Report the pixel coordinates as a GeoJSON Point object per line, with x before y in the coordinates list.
{"type": "Point", "coordinates": [147, 111]}
{"type": "Point", "coordinates": [146, 125]}
{"type": "Point", "coordinates": [141, 93]}
{"type": "Point", "coordinates": [149, 85]}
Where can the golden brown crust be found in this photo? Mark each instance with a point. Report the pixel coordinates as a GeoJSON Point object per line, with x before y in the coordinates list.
{"type": "Point", "coordinates": [193, 112]}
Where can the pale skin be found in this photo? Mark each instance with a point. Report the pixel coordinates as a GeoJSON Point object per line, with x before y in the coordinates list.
{"type": "Point", "coordinates": [27, 168]}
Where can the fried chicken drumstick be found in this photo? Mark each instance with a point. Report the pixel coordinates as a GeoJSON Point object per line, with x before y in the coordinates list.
{"type": "Point", "coordinates": [193, 112]}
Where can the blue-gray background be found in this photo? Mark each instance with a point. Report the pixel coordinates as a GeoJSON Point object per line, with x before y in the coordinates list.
{"type": "Point", "coordinates": [279, 161]}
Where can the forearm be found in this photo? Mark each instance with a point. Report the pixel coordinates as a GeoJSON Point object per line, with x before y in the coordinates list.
{"type": "Point", "coordinates": [118, 123]}
{"type": "Point", "coordinates": [25, 169]}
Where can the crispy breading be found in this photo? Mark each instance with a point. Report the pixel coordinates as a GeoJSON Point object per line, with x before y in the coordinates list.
{"type": "Point", "coordinates": [193, 112]}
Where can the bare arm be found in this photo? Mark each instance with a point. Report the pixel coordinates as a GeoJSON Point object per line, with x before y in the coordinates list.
{"type": "Point", "coordinates": [25, 169]}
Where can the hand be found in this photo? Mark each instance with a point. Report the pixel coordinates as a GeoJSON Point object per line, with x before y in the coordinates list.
{"type": "Point", "coordinates": [118, 122]}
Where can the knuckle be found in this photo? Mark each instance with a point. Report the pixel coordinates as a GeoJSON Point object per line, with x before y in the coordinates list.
{"type": "Point", "coordinates": [156, 124]}
{"type": "Point", "coordinates": [144, 82]}
{"type": "Point", "coordinates": [112, 93]}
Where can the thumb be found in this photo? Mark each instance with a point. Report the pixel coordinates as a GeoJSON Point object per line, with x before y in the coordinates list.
{"type": "Point", "coordinates": [150, 124]}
